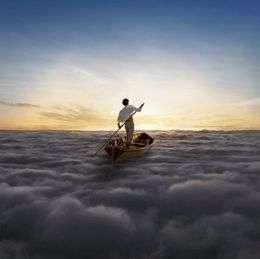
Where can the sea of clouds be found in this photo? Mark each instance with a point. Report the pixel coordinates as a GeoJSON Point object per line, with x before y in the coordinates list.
{"type": "Point", "coordinates": [193, 195]}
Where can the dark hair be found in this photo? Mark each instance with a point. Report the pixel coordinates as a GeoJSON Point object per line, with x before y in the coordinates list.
{"type": "Point", "coordinates": [125, 101]}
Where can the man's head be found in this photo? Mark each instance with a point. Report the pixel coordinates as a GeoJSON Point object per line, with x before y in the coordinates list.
{"type": "Point", "coordinates": [125, 102]}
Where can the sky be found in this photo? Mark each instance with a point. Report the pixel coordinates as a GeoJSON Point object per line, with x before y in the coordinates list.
{"type": "Point", "coordinates": [68, 64]}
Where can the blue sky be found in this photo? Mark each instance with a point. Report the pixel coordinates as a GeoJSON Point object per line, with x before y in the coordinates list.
{"type": "Point", "coordinates": [93, 53]}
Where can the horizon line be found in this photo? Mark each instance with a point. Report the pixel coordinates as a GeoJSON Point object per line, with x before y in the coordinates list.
{"type": "Point", "coordinates": [111, 130]}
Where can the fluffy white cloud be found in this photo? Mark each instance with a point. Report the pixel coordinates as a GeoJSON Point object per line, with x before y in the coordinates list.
{"type": "Point", "coordinates": [192, 195]}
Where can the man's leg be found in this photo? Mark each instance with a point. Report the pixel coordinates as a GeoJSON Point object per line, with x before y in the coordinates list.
{"type": "Point", "coordinates": [129, 127]}
{"type": "Point", "coordinates": [128, 136]}
{"type": "Point", "coordinates": [131, 132]}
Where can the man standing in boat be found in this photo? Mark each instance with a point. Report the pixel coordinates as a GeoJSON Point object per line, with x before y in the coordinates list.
{"type": "Point", "coordinates": [125, 115]}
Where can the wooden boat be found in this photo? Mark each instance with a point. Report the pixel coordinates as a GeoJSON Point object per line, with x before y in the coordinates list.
{"type": "Point", "coordinates": [117, 148]}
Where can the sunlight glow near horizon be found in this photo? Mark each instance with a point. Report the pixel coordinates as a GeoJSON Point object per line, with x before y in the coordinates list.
{"type": "Point", "coordinates": [188, 73]}
{"type": "Point", "coordinates": [173, 100]}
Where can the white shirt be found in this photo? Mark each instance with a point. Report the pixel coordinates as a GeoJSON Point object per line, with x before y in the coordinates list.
{"type": "Point", "coordinates": [126, 112]}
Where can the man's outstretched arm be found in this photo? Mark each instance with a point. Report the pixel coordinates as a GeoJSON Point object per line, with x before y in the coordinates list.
{"type": "Point", "coordinates": [139, 108]}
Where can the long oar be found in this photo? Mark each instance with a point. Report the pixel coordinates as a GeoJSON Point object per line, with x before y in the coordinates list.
{"type": "Point", "coordinates": [104, 144]}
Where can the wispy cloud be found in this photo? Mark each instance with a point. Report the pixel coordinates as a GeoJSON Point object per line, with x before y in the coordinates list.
{"type": "Point", "coordinates": [74, 114]}
{"type": "Point", "coordinates": [250, 102]}
{"type": "Point", "coordinates": [21, 105]}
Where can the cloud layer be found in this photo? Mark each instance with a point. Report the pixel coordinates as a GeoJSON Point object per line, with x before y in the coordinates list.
{"type": "Point", "coordinates": [194, 195]}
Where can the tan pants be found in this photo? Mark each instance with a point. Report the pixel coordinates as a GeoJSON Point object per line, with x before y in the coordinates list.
{"type": "Point", "coordinates": [129, 128]}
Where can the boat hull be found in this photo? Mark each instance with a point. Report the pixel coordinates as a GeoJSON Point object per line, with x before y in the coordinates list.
{"type": "Point", "coordinates": [117, 149]}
